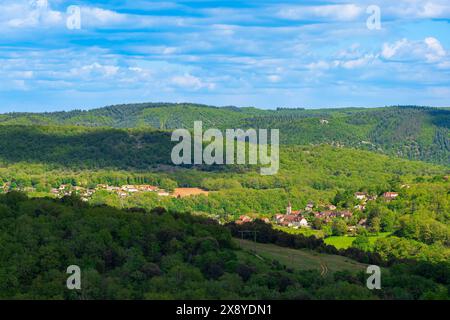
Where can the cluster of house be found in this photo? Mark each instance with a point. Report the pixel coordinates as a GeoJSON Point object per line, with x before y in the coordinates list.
{"type": "Point", "coordinates": [329, 215]}
{"type": "Point", "coordinates": [66, 190]}
{"type": "Point", "coordinates": [365, 197]}
{"type": "Point", "coordinates": [298, 219]}
{"type": "Point", "coordinates": [294, 219]}
{"type": "Point", "coordinates": [123, 191]}
{"type": "Point", "coordinates": [247, 219]}
{"type": "Point", "coordinates": [126, 190]}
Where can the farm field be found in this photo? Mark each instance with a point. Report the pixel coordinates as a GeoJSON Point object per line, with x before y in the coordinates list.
{"type": "Point", "coordinates": [302, 259]}
{"type": "Point", "coordinates": [188, 192]}
{"type": "Point", "coordinates": [307, 232]}
{"type": "Point", "coordinates": [344, 242]}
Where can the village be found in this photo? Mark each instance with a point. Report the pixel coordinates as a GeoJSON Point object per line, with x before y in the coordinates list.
{"type": "Point", "coordinates": [293, 219]}
{"type": "Point", "coordinates": [297, 219]}
{"type": "Point", "coordinates": [127, 190]}
{"type": "Point", "coordinates": [123, 191]}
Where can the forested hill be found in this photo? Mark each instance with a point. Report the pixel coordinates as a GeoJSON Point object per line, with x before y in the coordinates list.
{"type": "Point", "coordinates": [160, 255]}
{"type": "Point", "coordinates": [412, 132]}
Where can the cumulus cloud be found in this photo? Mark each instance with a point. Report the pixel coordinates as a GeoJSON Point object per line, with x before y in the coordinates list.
{"type": "Point", "coordinates": [95, 69]}
{"type": "Point", "coordinates": [22, 14]}
{"type": "Point", "coordinates": [435, 50]}
{"type": "Point", "coordinates": [37, 14]}
{"type": "Point", "coordinates": [345, 61]}
{"type": "Point", "coordinates": [428, 50]}
{"type": "Point", "coordinates": [359, 62]}
{"type": "Point", "coordinates": [191, 82]}
{"type": "Point", "coordinates": [418, 9]}
{"type": "Point", "coordinates": [267, 51]}
{"type": "Point", "coordinates": [97, 17]}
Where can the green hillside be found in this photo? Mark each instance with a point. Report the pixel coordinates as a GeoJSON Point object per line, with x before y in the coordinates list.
{"type": "Point", "coordinates": [136, 251]}
{"type": "Point", "coordinates": [136, 254]}
{"type": "Point", "coordinates": [317, 171]}
{"type": "Point", "coordinates": [84, 147]}
{"type": "Point", "coordinates": [411, 132]}
{"type": "Point", "coordinates": [155, 115]}
{"type": "Point", "coordinates": [302, 259]}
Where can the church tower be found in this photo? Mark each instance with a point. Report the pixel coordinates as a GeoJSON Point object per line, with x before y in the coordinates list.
{"type": "Point", "coordinates": [289, 208]}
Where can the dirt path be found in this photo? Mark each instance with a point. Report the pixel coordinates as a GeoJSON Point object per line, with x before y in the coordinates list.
{"type": "Point", "coordinates": [324, 269]}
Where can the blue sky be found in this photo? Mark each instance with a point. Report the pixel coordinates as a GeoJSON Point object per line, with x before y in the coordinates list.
{"type": "Point", "coordinates": [247, 53]}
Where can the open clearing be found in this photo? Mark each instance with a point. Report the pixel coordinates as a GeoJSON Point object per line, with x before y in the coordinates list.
{"type": "Point", "coordinates": [302, 259]}
{"type": "Point", "coordinates": [344, 242]}
{"type": "Point", "coordinates": [188, 192]}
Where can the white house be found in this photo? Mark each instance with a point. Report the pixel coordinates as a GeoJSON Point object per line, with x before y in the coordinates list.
{"type": "Point", "coordinates": [303, 223]}
{"type": "Point", "coordinates": [361, 195]}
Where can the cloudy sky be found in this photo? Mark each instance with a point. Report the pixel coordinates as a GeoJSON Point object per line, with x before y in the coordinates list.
{"type": "Point", "coordinates": [247, 53]}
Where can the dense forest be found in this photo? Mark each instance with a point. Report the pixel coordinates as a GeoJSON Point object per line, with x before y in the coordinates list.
{"type": "Point", "coordinates": [84, 148]}
{"type": "Point", "coordinates": [418, 221]}
{"type": "Point", "coordinates": [138, 254]}
{"type": "Point", "coordinates": [412, 132]}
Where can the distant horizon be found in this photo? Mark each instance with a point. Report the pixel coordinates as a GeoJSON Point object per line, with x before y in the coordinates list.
{"type": "Point", "coordinates": [86, 109]}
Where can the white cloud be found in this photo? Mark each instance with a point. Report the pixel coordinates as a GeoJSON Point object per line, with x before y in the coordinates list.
{"type": "Point", "coordinates": [418, 9]}
{"type": "Point", "coordinates": [359, 62]}
{"type": "Point", "coordinates": [169, 50]}
{"type": "Point", "coordinates": [435, 50]}
{"type": "Point", "coordinates": [363, 60]}
{"type": "Point", "coordinates": [26, 15]}
{"type": "Point", "coordinates": [238, 51]}
{"type": "Point", "coordinates": [95, 69]}
{"type": "Point", "coordinates": [319, 65]}
{"type": "Point", "coordinates": [444, 64]}
{"type": "Point", "coordinates": [189, 81]}
{"type": "Point", "coordinates": [39, 13]}
{"type": "Point", "coordinates": [390, 50]}
{"type": "Point", "coordinates": [345, 12]}
{"type": "Point", "coordinates": [428, 50]}
{"type": "Point", "coordinates": [25, 74]}
{"type": "Point", "coordinates": [97, 17]}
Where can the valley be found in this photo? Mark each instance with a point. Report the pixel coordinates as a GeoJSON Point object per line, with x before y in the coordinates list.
{"type": "Point", "coordinates": [339, 202]}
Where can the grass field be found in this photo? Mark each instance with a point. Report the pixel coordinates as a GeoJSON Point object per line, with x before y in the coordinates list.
{"type": "Point", "coordinates": [301, 259]}
{"type": "Point", "coordinates": [344, 242]}
{"type": "Point", "coordinates": [304, 231]}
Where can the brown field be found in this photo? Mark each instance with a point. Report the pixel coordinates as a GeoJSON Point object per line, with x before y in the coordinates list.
{"type": "Point", "coordinates": [188, 192]}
